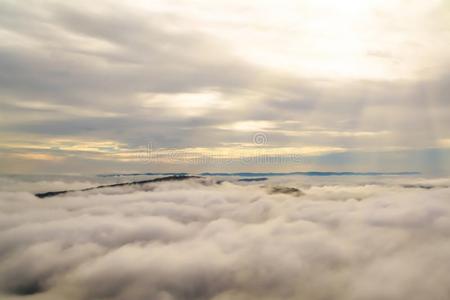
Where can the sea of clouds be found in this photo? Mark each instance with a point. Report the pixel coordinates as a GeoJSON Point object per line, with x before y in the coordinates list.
{"type": "Point", "coordinates": [362, 239]}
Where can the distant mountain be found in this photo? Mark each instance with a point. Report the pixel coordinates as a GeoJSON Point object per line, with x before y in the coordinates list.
{"type": "Point", "coordinates": [312, 173]}
{"type": "Point", "coordinates": [161, 179]}
{"type": "Point", "coordinates": [252, 179]}
{"type": "Point", "coordinates": [256, 174]}
{"type": "Point", "coordinates": [142, 174]}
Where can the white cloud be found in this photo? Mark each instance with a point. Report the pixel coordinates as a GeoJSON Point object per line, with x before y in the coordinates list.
{"type": "Point", "coordinates": [186, 240]}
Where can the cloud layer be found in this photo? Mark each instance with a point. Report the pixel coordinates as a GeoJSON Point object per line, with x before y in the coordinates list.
{"type": "Point", "coordinates": [187, 240]}
{"type": "Point", "coordinates": [84, 85]}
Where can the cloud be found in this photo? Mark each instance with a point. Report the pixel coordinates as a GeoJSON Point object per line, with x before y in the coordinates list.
{"type": "Point", "coordinates": [354, 239]}
{"type": "Point", "coordinates": [195, 75]}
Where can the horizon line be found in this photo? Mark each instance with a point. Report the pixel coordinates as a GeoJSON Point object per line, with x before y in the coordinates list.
{"type": "Point", "coordinates": [259, 174]}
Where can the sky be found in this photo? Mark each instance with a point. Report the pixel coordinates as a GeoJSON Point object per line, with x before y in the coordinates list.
{"type": "Point", "coordinates": [125, 86]}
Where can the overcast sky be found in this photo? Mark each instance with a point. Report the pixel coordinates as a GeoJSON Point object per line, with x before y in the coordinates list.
{"type": "Point", "coordinates": [86, 86]}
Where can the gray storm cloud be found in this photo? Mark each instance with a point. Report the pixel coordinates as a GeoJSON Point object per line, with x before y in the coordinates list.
{"type": "Point", "coordinates": [186, 240]}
